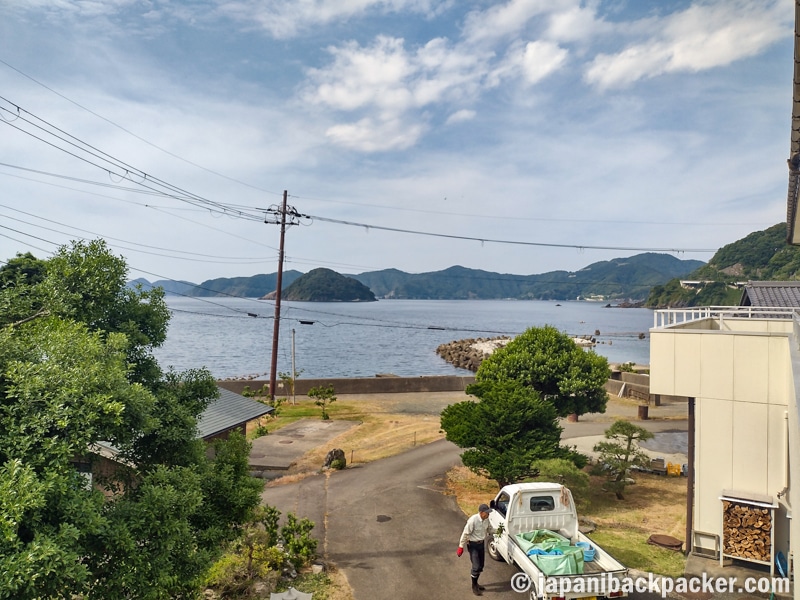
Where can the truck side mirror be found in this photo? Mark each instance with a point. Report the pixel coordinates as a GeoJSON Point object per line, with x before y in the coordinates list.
{"type": "Point", "coordinates": [492, 504]}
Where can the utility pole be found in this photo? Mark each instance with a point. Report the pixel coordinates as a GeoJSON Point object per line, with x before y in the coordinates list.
{"type": "Point", "coordinates": [294, 217]}
{"type": "Point", "coordinates": [278, 290]}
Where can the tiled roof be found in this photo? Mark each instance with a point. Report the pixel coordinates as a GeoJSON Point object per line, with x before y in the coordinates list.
{"type": "Point", "coordinates": [783, 294]}
{"type": "Point", "coordinates": [229, 411]}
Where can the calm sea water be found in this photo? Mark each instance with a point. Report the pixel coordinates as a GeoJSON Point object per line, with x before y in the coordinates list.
{"type": "Point", "coordinates": [232, 337]}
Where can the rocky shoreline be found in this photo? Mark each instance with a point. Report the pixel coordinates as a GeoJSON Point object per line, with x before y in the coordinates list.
{"type": "Point", "coordinates": [470, 353]}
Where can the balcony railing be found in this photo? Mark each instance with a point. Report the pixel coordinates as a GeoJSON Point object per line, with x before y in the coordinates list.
{"type": "Point", "coordinates": [668, 317]}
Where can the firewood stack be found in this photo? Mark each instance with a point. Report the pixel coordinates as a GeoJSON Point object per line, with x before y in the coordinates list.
{"type": "Point", "coordinates": [746, 531]}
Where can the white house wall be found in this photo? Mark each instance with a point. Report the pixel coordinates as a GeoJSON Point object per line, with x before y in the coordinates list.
{"type": "Point", "coordinates": [740, 376]}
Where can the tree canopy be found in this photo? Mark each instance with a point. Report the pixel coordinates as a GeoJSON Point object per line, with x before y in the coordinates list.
{"type": "Point", "coordinates": [505, 431]}
{"type": "Point", "coordinates": [548, 361]}
{"type": "Point", "coordinates": [77, 373]}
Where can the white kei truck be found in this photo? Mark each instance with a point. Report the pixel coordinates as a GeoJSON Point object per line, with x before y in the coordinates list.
{"type": "Point", "coordinates": [536, 528]}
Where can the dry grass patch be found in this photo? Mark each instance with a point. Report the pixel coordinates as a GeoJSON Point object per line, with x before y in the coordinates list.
{"type": "Point", "coordinates": [655, 504]}
{"type": "Point", "coordinates": [375, 439]}
{"type": "Point", "coordinates": [470, 490]}
{"type": "Point", "coordinates": [379, 433]}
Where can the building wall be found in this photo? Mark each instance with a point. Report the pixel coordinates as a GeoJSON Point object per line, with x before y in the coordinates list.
{"type": "Point", "coordinates": [741, 378]}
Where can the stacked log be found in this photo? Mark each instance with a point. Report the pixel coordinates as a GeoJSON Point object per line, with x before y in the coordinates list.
{"type": "Point", "coordinates": [746, 531]}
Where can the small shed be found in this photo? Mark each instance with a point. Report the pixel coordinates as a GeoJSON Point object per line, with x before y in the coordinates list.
{"type": "Point", "coordinates": [228, 413]}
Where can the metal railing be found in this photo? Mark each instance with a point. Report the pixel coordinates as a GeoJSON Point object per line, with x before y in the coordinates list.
{"type": "Point", "coordinates": [668, 317]}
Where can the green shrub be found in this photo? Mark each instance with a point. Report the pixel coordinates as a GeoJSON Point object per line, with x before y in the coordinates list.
{"type": "Point", "coordinates": [565, 472]}
{"type": "Point", "coordinates": [260, 431]}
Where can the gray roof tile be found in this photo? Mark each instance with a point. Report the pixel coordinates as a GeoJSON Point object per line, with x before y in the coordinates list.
{"type": "Point", "coordinates": [779, 294]}
{"type": "Point", "coordinates": [229, 411]}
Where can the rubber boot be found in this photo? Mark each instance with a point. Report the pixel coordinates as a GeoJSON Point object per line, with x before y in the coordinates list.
{"type": "Point", "coordinates": [480, 587]}
{"type": "Point", "coordinates": [475, 588]}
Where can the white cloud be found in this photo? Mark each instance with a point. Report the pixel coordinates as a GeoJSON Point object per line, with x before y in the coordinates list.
{"type": "Point", "coordinates": [286, 18]}
{"type": "Point", "coordinates": [541, 59]}
{"type": "Point", "coordinates": [368, 135]}
{"type": "Point", "coordinates": [460, 116]}
{"type": "Point", "coordinates": [506, 19]}
{"type": "Point", "coordinates": [701, 37]}
{"type": "Point", "coordinates": [365, 76]}
{"type": "Point", "coordinates": [575, 24]}
{"type": "Point", "coordinates": [389, 85]}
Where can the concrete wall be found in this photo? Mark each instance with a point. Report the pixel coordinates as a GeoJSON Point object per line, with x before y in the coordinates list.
{"type": "Point", "coordinates": [366, 385]}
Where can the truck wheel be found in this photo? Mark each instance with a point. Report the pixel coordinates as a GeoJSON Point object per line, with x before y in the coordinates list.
{"type": "Point", "coordinates": [491, 548]}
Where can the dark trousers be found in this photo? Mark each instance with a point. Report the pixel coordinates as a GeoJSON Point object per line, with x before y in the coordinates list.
{"type": "Point", "coordinates": [477, 554]}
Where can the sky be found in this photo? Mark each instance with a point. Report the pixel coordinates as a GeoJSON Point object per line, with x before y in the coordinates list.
{"type": "Point", "coordinates": [519, 137]}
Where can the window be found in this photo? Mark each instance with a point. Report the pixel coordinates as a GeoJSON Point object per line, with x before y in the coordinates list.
{"type": "Point", "coordinates": [501, 504]}
{"type": "Point", "coordinates": [542, 503]}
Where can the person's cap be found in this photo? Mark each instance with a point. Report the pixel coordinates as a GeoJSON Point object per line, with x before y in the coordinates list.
{"type": "Point", "coordinates": [484, 508]}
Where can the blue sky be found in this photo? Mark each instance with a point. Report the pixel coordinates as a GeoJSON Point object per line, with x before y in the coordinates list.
{"type": "Point", "coordinates": [580, 130]}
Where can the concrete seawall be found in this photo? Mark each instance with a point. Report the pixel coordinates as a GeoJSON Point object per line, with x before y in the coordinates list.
{"type": "Point", "coordinates": [629, 385]}
{"type": "Point", "coordinates": [365, 385]}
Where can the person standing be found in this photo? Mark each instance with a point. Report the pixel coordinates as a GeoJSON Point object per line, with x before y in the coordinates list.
{"type": "Point", "coordinates": [474, 537]}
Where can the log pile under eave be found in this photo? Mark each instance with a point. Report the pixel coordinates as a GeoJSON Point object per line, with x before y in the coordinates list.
{"type": "Point", "coordinates": [746, 531]}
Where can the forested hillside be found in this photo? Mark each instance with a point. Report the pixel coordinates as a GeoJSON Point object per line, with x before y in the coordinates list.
{"type": "Point", "coordinates": [760, 256]}
{"type": "Point", "coordinates": [628, 278]}
{"type": "Point", "coordinates": [621, 278]}
{"type": "Point", "coordinates": [324, 285]}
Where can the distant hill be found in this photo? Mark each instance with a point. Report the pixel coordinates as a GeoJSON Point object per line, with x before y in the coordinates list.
{"type": "Point", "coordinates": [759, 256]}
{"type": "Point", "coordinates": [618, 279]}
{"type": "Point", "coordinates": [171, 288]}
{"type": "Point", "coordinates": [324, 285]}
{"type": "Point", "coordinates": [256, 286]}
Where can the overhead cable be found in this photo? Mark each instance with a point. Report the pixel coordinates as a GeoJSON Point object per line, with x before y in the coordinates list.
{"type": "Point", "coordinates": [514, 242]}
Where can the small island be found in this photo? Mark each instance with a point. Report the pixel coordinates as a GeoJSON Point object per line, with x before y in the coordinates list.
{"type": "Point", "coordinates": [325, 285]}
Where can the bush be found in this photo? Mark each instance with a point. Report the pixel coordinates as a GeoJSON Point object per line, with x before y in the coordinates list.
{"type": "Point", "coordinates": [565, 472]}
{"type": "Point", "coordinates": [299, 544]}
{"type": "Point", "coordinates": [260, 431]}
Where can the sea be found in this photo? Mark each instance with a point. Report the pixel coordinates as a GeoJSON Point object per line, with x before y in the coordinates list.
{"type": "Point", "coordinates": [232, 337]}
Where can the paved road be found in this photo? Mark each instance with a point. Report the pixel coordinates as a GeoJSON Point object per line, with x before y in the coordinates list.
{"type": "Point", "coordinates": [390, 529]}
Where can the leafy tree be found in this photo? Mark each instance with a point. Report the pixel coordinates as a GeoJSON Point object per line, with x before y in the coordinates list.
{"type": "Point", "coordinates": [324, 397]}
{"type": "Point", "coordinates": [20, 298]}
{"type": "Point", "coordinates": [24, 269]}
{"type": "Point", "coordinates": [86, 283]}
{"type": "Point", "coordinates": [76, 370]}
{"type": "Point", "coordinates": [548, 361]}
{"type": "Point", "coordinates": [505, 432]}
{"type": "Point", "coordinates": [621, 453]}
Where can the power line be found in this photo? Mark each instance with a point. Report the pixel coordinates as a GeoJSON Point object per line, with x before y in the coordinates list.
{"type": "Point", "coordinates": [115, 166]}
{"type": "Point", "coordinates": [513, 242]}
{"type": "Point", "coordinates": [129, 132]}
{"type": "Point", "coordinates": [227, 259]}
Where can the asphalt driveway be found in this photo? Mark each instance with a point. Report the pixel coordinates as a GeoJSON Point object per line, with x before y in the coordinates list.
{"type": "Point", "coordinates": [390, 528]}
